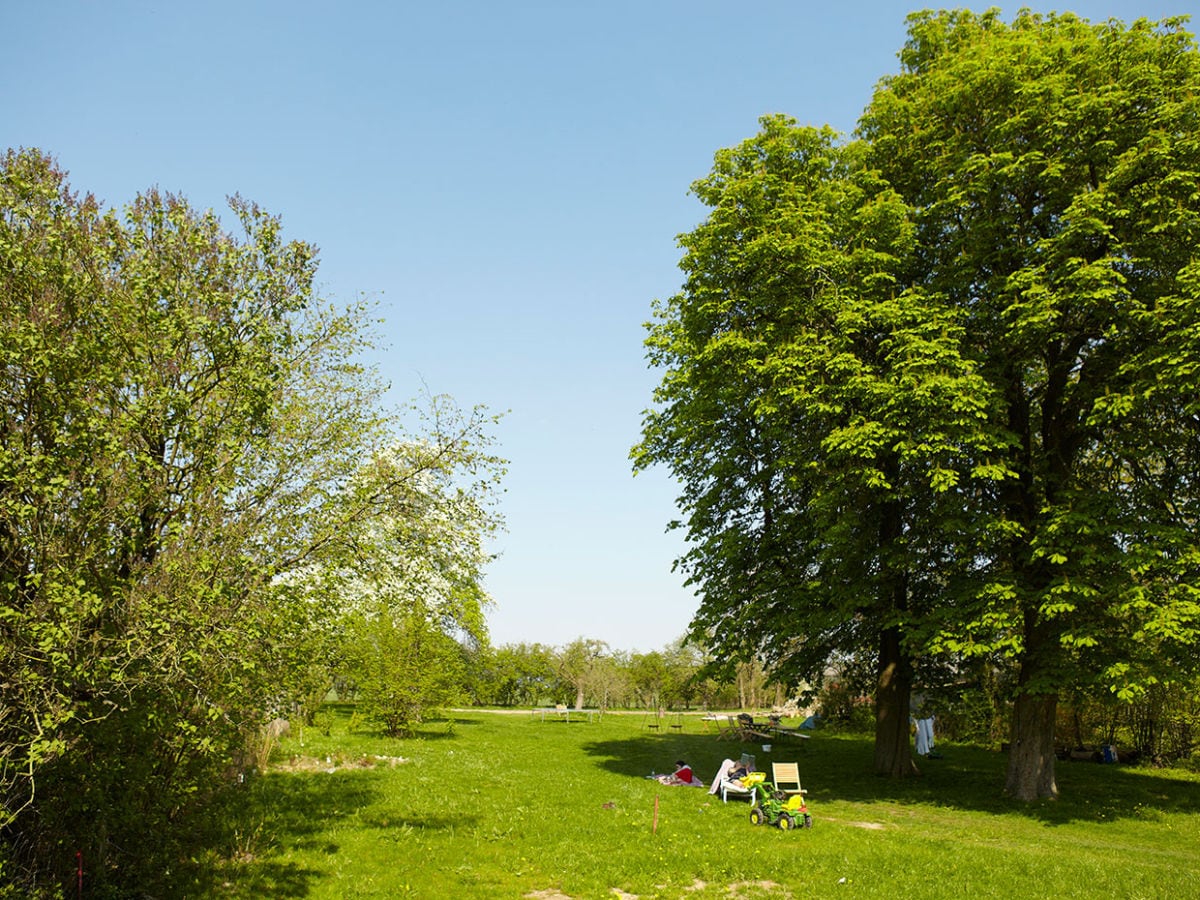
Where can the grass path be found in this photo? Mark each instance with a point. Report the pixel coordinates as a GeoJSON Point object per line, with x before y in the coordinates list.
{"type": "Point", "coordinates": [506, 806]}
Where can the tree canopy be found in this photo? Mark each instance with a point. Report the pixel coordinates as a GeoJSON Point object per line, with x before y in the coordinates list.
{"type": "Point", "coordinates": [931, 390]}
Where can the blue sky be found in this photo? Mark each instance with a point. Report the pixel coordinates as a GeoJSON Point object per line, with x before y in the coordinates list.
{"type": "Point", "coordinates": [507, 180]}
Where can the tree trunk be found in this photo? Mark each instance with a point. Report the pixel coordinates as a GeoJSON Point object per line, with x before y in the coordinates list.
{"type": "Point", "coordinates": [1031, 756]}
{"type": "Point", "coordinates": [1031, 752]}
{"type": "Point", "coordinates": [893, 750]}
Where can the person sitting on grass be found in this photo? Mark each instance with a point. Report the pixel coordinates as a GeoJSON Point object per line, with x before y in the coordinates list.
{"type": "Point", "coordinates": [681, 775]}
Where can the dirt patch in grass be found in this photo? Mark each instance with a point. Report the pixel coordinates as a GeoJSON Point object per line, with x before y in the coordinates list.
{"type": "Point", "coordinates": [870, 826]}
{"type": "Point", "coordinates": [335, 763]}
{"type": "Point", "coordinates": [743, 890]}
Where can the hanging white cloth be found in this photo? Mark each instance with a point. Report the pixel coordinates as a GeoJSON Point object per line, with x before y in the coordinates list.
{"type": "Point", "coordinates": [721, 773]}
{"type": "Point", "coordinates": [924, 736]}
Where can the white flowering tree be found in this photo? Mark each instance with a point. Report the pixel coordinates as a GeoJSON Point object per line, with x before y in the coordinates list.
{"type": "Point", "coordinates": [402, 590]}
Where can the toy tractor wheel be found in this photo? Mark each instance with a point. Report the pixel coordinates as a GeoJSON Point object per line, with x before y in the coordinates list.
{"type": "Point", "coordinates": [757, 817]}
{"type": "Point", "coordinates": [785, 823]}
{"type": "Point", "coordinates": [807, 821]}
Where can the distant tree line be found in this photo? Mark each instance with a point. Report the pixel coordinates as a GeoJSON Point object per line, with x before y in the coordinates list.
{"type": "Point", "coordinates": [589, 673]}
{"type": "Point", "coordinates": [970, 698]}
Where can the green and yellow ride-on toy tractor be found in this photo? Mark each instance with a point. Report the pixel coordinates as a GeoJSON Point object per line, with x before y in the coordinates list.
{"type": "Point", "coordinates": [770, 806]}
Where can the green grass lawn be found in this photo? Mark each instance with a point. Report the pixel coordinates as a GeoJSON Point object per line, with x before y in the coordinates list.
{"type": "Point", "coordinates": [503, 805]}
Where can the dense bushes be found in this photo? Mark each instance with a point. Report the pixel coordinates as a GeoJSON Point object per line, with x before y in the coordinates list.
{"type": "Point", "coordinates": [191, 461]}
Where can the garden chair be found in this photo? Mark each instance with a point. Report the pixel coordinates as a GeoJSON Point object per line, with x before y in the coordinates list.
{"type": "Point", "coordinates": [723, 724]}
{"type": "Point", "coordinates": [734, 789]}
{"type": "Point", "coordinates": [747, 730]}
{"type": "Point", "coordinates": [786, 777]}
{"type": "Point", "coordinates": [730, 788]}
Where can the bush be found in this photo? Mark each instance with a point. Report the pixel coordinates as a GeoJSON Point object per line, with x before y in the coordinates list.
{"type": "Point", "coordinates": [404, 667]}
{"type": "Point", "coordinates": [840, 706]}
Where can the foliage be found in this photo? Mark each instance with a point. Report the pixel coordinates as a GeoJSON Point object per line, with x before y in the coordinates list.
{"type": "Point", "coordinates": [1163, 724]}
{"type": "Point", "coordinates": [677, 677]}
{"type": "Point", "coordinates": [932, 391]}
{"type": "Point", "coordinates": [1054, 181]}
{"type": "Point", "coordinates": [669, 678]}
{"type": "Point", "coordinates": [817, 411]}
{"type": "Point", "coordinates": [403, 586]}
{"type": "Point", "coordinates": [841, 706]}
{"type": "Point", "coordinates": [513, 675]}
{"type": "Point", "coordinates": [580, 667]}
{"type": "Point", "coordinates": [182, 435]}
{"type": "Point", "coordinates": [652, 679]}
{"type": "Point", "coordinates": [971, 700]}
{"type": "Point", "coordinates": [431, 496]}
{"type": "Point", "coordinates": [404, 666]}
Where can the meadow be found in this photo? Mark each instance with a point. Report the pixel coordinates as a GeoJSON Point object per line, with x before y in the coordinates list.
{"type": "Point", "coordinates": [491, 804]}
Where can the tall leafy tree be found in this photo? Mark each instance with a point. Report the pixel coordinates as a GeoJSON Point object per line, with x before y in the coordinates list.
{"type": "Point", "coordinates": [933, 389]}
{"type": "Point", "coordinates": [651, 679]}
{"type": "Point", "coordinates": [514, 674]}
{"type": "Point", "coordinates": [1053, 169]}
{"type": "Point", "coordinates": [580, 666]}
{"type": "Point", "coordinates": [403, 665]}
{"type": "Point", "coordinates": [818, 410]}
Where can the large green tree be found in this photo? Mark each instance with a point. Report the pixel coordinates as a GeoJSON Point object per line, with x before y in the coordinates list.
{"type": "Point", "coordinates": [581, 666]}
{"type": "Point", "coordinates": [934, 389]}
{"type": "Point", "coordinates": [819, 413]}
{"type": "Point", "coordinates": [1053, 170]}
{"type": "Point", "coordinates": [513, 674]}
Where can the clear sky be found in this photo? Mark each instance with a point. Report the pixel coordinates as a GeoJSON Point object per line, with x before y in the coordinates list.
{"type": "Point", "coordinates": [507, 179]}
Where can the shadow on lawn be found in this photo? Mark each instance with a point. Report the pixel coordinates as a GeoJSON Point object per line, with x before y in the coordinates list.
{"type": "Point", "coordinates": [972, 778]}
{"type": "Point", "coordinates": [439, 729]}
{"type": "Point", "coordinates": [279, 811]}
{"type": "Point", "coordinates": [653, 752]}
{"type": "Point", "coordinates": [838, 767]}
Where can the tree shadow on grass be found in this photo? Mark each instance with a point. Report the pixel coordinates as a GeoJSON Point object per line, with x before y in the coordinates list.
{"type": "Point", "coordinates": [972, 778]}
{"type": "Point", "coordinates": [433, 729]}
{"type": "Point", "coordinates": [655, 752]}
{"type": "Point", "coordinates": [1109, 793]}
{"type": "Point", "coordinates": [282, 810]}
{"type": "Point", "coordinates": [839, 767]}
{"type": "Point", "coordinates": [452, 720]}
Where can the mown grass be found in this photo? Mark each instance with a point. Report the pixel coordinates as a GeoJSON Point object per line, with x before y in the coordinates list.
{"type": "Point", "coordinates": [495, 805]}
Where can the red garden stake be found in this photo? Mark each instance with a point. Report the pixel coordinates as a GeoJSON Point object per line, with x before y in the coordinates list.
{"type": "Point", "coordinates": [654, 829]}
{"type": "Point", "coordinates": [79, 874]}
